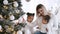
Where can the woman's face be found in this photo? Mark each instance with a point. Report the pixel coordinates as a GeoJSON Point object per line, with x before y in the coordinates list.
{"type": "Point", "coordinates": [40, 12]}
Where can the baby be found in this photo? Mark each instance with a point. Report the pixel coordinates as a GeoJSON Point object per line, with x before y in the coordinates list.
{"type": "Point", "coordinates": [45, 21]}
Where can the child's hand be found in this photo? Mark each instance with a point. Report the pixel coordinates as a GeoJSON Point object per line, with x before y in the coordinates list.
{"type": "Point", "coordinates": [46, 29]}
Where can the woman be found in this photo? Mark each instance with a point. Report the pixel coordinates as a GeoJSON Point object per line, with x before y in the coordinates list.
{"type": "Point", "coordinates": [53, 23]}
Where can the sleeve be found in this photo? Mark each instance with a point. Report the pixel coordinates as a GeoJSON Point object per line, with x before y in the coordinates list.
{"type": "Point", "coordinates": [15, 21]}
{"type": "Point", "coordinates": [35, 23]}
{"type": "Point", "coordinates": [22, 19]}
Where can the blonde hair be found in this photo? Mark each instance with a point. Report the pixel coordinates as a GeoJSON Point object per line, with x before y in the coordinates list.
{"type": "Point", "coordinates": [43, 7]}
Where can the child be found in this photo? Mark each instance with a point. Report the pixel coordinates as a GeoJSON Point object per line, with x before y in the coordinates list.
{"type": "Point", "coordinates": [29, 26]}
{"type": "Point", "coordinates": [46, 19]}
{"type": "Point", "coordinates": [30, 17]}
{"type": "Point", "coordinates": [44, 23]}
{"type": "Point", "coordinates": [29, 23]}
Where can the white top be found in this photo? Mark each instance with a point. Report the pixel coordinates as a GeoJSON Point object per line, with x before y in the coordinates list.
{"type": "Point", "coordinates": [29, 27]}
{"type": "Point", "coordinates": [43, 28]}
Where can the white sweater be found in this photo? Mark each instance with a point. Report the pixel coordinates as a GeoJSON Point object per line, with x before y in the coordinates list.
{"type": "Point", "coordinates": [29, 28]}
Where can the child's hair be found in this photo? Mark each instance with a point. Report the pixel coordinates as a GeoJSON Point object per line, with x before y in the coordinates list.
{"type": "Point", "coordinates": [30, 14]}
{"type": "Point", "coordinates": [47, 17]}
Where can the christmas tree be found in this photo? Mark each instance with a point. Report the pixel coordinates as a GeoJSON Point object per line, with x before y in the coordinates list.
{"type": "Point", "coordinates": [10, 10]}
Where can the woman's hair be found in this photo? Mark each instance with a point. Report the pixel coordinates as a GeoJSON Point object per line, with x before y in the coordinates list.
{"type": "Point", "coordinates": [39, 6]}
{"type": "Point", "coordinates": [46, 17]}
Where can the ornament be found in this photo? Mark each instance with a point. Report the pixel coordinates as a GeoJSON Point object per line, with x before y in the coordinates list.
{"type": "Point", "coordinates": [17, 11]}
{"type": "Point", "coordinates": [19, 32]}
{"type": "Point", "coordinates": [1, 16]}
{"type": "Point", "coordinates": [12, 17]}
{"type": "Point", "coordinates": [5, 2]}
{"type": "Point", "coordinates": [15, 4]}
{"type": "Point", "coordinates": [5, 7]}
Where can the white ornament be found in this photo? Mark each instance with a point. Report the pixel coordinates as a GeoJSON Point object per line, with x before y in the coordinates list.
{"type": "Point", "coordinates": [1, 16]}
{"type": "Point", "coordinates": [12, 17]}
{"type": "Point", "coordinates": [0, 27]}
{"type": "Point", "coordinates": [19, 32]}
{"type": "Point", "coordinates": [17, 11]}
{"type": "Point", "coordinates": [5, 2]}
{"type": "Point", "coordinates": [15, 4]}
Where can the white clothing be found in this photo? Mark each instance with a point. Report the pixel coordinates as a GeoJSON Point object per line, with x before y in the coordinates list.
{"type": "Point", "coordinates": [42, 27]}
{"type": "Point", "coordinates": [23, 18]}
{"type": "Point", "coordinates": [53, 25]}
{"type": "Point", "coordinates": [35, 28]}
{"type": "Point", "coordinates": [29, 27]}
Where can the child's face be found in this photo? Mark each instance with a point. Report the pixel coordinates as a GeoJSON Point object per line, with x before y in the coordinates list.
{"type": "Point", "coordinates": [30, 18]}
{"type": "Point", "coordinates": [44, 21]}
